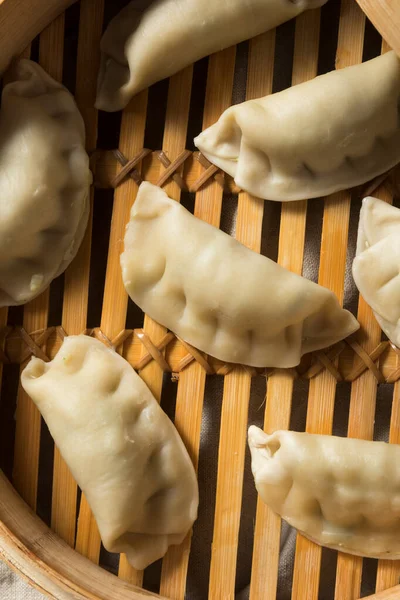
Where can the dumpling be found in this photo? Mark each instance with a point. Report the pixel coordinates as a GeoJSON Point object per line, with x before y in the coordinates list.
{"type": "Point", "coordinates": [376, 268]}
{"type": "Point", "coordinates": [44, 182]}
{"type": "Point", "coordinates": [328, 134]}
{"type": "Point", "coordinates": [148, 42]}
{"type": "Point", "coordinates": [220, 296]}
{"type": "Point", "coordinates": [122, 449]}
{"type": "Point", "coordinates": [341, 493]}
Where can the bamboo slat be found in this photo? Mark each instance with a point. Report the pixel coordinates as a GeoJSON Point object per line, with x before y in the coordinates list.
{"type": "Point", "coordinates": [363, 391]}
{"type": "Point", "coordinates": [4, 311]}
{"type": "Point", "coordinates": [385, 15]}
{"type": "Point", "coordinates": [87, 538]}
{"type": "Point", "coordinates": [331, 274]}
{"type": "Point", "coordinates": [64, 489]}
{"type": "Point", "coordinates": [190, 393]}
{"type": "Point", "coordinates": [233, 428]}
{"type": "Point", "coordinates": [27, 435]}
{"type": "Point", "coordinates": [208, 202]}
{"type": "Point", "coordinates": [188, 413]}
{"type": "Point", "coordinates": [229, 484]}
{"type": "Point", "coordinates": [192, 381]}
{"type": "Point", "coordinates": [174, 140]}
{"type": "Point", "coordinates": [361, 425]}
{"type": "Point", "coordinates": [280, 384]}
{"type": "Point", "coordinates": [388, 574]}
{"type": "Point", "coordinates": [259, 83]}
{"type": "Point", "coordinates": [76, 286]}
{"type": "Point", "coordinates": [115, 299]}
{"type": "Point", "coordinates": [267, 533]}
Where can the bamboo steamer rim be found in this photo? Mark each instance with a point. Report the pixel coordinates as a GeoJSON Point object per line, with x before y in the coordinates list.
{"type": "Point", "coordinates": [49, 564]}
{"type": "Point", "coordinates": [385, 16]}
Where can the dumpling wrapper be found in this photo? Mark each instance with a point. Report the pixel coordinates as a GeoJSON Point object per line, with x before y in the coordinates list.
{"type": "Point", "coordinates": [376, 268]}
{"type": "Point", "coordinates": [122, 449]}
{"type": "Point", "coordinates": [44, 182]}
{"type": "Point", "coordinates": [328, 134]}
{"type": "Point", "coordinates": [218, 295]}
{"type": "Point", "coordinates": [148, 41]}
{"type": "Point", "coordinates": [339, 492]}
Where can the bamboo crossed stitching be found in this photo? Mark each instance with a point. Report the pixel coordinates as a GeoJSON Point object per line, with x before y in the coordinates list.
{"type": "Point", "coordinates": [36, 341]}
{"type": "Point", "coordinates": [173, 170]}
{"type": "Point", "coordinates": [131, 168]}
{"type": "Point", "coordinates": [34, 344]}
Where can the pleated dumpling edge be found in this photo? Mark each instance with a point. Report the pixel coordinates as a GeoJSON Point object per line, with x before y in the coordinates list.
{"type": "Point", "coordinates": [328, 134]}
{"type": "Point", "coordinates": [147, 42]}
{"type": "Point", "coordinates": [123, 450]}
{"type": "Point", "coordinates": [218, 295]}
{"type": "Point", "coordinates": [341, 493]}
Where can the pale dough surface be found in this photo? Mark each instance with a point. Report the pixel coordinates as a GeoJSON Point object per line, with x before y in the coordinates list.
{"type": "Point", "coordinates": [122, 449]}
{"type": "Point", "coordinates": [44, 182]}
{"type": "Point", "coordinates": [376, 268]}
{"type": "Point", "coordinates": [340, 492]}
{"type": "Point", "coordinates": [220, 296]}
{"type": "Point", "coordinates": [147, 42]}
{"type": "Point", "coordinates": [334, 132]}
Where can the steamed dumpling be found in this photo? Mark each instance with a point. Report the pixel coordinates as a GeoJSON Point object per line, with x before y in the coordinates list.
{"type": "Point", "coordinates": [332, 133]}
{"type": "Point", "coordinates": [376, 268]}
{"type": "Point", "coordinates": [44, 182]}
{"type": "Point", "coordinates": [148, 41]}
{"type": "Point", "coordinates": [122, 449]}
{"type": "Point", "coordinates": [339, 492]}
{"type": "Point", "coordinates": [219, 296]}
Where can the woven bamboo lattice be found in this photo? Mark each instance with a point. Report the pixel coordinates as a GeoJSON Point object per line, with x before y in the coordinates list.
{"type": "Point", "coordinates": [190, 171]}
{"type": "Point", "coordinates": [90, 298]}
{"type": "Point", "coordinates": [346, 361]}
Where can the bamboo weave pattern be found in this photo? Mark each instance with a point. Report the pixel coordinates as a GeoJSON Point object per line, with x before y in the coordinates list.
{"type": "Point", "coordinates": [17, 346]}
{"type": "Point", "coordinates": [189, 170]}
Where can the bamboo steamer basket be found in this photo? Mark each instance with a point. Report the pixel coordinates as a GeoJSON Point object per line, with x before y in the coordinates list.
{"type": "Point", "coordinates": [153, 143]}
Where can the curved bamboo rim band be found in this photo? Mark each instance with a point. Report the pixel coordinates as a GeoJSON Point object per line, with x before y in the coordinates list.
{"type": "Point", "coordinates": [30, 23]}
{"type": "Point", "coordinates": [38, 555]}
{"type": "Point", "coordinates": [385, 16]}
